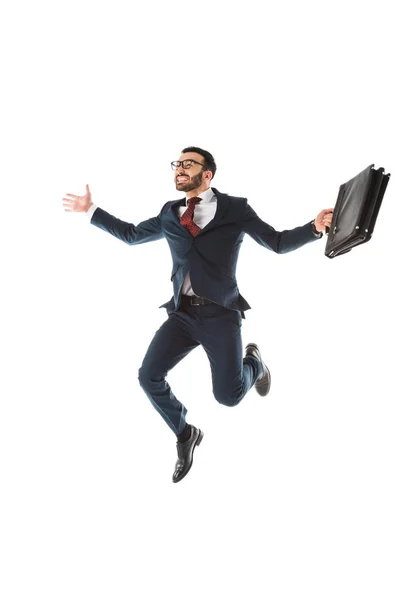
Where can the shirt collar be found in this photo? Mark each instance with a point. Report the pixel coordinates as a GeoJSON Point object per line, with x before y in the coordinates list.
{"type": "Point", "coordinates": [206, 196]}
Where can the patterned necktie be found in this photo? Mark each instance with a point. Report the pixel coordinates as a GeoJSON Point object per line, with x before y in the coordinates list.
{"type": "Point", "coordinates": [187, 218]}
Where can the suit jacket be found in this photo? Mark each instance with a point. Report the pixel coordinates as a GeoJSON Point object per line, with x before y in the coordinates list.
{"type": "Point", "coordinates": [212, 255]}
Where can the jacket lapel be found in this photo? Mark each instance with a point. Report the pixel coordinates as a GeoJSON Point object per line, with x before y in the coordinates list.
{"type": "Point", "coordinates": [223, 202]}
{"type": "Point", "coordinates": [174, 212]}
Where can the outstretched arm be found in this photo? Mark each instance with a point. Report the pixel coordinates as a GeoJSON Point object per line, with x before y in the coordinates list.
{"type": "Point", "coordinates": [147, 231]}
{"type": "Point", "coordinates": [280, 241]}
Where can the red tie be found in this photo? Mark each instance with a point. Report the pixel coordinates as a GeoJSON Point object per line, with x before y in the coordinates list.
{"type": "Point", "coordinates": [187, 217]}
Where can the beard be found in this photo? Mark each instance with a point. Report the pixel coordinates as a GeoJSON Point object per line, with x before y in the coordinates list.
{"type": "Point", "coordinates": [193, 183]}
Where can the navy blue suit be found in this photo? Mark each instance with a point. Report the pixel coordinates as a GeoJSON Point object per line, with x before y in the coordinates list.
{"type": "Point", "coordinates": [211, 258]}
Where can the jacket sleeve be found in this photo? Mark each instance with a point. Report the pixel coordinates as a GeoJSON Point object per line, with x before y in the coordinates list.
{"type": "Point", "coordinates": [278, 241]}
{"type": "Point", "coordinates": [146, 231]}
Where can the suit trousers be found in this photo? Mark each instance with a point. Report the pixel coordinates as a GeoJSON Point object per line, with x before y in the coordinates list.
{"type": "Point", "coordinates": [218, 331]}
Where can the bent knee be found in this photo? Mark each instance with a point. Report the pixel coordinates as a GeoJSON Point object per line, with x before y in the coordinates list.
{"type": "Point", "coordinates": [149, 377]}
{"type": "Point", "coordinates": [226, 399]}
{"type": "Point", "coordinates": [144, 376]}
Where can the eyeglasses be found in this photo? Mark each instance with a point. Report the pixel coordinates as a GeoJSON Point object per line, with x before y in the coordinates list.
{"type": "Point", "coordinates": [186, 164]}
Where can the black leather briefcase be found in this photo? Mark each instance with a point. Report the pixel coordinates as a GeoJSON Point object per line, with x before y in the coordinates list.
{"type": "Point", "coordinates": [356, 210]}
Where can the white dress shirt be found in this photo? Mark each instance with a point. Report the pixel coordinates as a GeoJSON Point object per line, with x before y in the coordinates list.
{"type": "Point", "coordinates": [204, 212]}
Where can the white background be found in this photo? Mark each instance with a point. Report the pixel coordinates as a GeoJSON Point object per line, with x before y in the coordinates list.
{"type": "Point", "coordinates": [291, 496]}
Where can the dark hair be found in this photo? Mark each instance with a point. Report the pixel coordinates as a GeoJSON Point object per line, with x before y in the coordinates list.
{"type": "Point", "coordinates": [209, 162]}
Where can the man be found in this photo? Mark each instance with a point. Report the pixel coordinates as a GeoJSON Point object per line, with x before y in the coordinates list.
{"type": "Point", "coordinates": [204, 231]}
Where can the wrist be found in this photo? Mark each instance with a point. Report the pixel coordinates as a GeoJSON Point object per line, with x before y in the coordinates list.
{"type": "Point", "coordinates": [315, 230]}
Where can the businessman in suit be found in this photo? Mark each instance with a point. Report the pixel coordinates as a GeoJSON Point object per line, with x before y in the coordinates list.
{"type": "Point", "coordinates": [204, 231]}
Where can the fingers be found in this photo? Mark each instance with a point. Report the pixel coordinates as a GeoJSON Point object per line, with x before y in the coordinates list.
{"type": "Point", "coordinates": [325, 217]}
{"type": "Point", "coordinates": [74, 203]}
{"type": "Point", "coordinates": [69, 205]}
{"type": "Point", "coordinates": [326, 221]}
{"type": "Point", "coordinates": [71, 201]}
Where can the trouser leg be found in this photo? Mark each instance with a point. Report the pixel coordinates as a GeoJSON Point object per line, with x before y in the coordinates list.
{"type": "Point", "coordinates": [232, 375]}
{"type": "Point", "coordinates": [171, 343]}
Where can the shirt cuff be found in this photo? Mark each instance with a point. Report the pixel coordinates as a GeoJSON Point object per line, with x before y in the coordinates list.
{"type": "Point", "coordinates": [317, 234]}
{"type": "Point", "coordinates": [89, 213]}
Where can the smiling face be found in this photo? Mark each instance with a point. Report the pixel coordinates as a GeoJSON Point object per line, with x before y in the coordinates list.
{"type": "Point", "coordinates": [192, 180]}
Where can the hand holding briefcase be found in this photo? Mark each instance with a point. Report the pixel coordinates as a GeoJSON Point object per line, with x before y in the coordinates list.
{"type": "Point", "coordinates": [356, 211]}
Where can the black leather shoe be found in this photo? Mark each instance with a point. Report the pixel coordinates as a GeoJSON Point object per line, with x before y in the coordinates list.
{"type": "Point", "coordinates": [263, 383]}
{"type": "Point", "coordinates": [185, 454]}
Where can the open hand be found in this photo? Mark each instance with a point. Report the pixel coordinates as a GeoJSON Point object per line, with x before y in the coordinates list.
{"type": "Point", "coordinates": [74, 203]}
